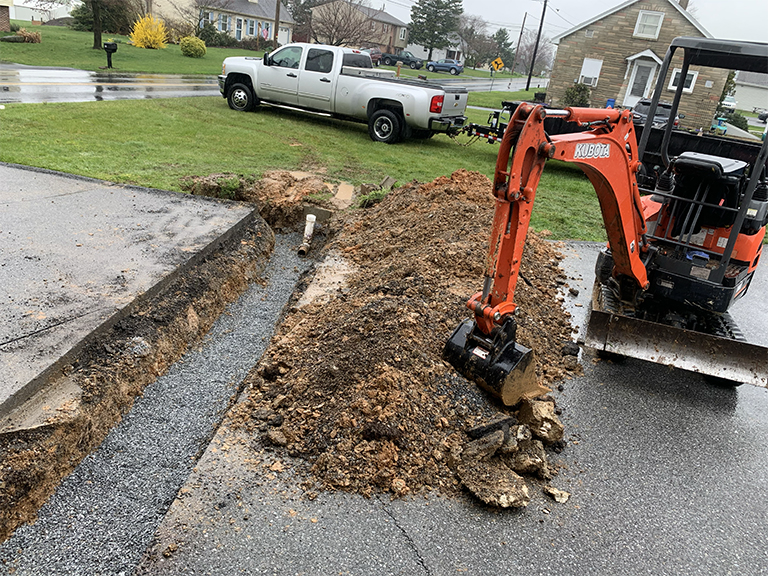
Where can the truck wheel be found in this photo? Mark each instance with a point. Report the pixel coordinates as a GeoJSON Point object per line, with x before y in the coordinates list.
{"type": "Point", "coordinates": [240, 98]}
{"type": "Point", "coordinates": [413, 65]}
{"type": "Point", "coordinates": [454, 71]}
{"type": "Point", "coordinates": [384, 126]}
{"type": "Point", "coordinates": [387, 62]}
{"type": "Point", "coordinates": [431, 68]}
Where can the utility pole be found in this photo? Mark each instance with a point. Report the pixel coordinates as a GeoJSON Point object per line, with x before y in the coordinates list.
{"type": "Point", "coordinates": [277, 21]}
{"type": "Point", "coordinates": [519, 40]}
{"type": "Point", "coordinates": [536, 47]}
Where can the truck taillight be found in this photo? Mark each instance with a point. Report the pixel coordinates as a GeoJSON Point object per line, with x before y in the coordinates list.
{"type": "Point", "coordinates": [436, 105]}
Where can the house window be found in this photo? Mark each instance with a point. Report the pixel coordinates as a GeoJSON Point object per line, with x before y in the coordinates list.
{"type": "Point", "coordinates": [205, 18]}
{"type": "Point", "coordinates": [403, 32]}
{"type": "Point", "coordinates": [648, 24]}
{"type": "Point", "coordinates": [589, 33]}
{"type": "Point", "coordinates": [385, 27]}
{"type": "Point", "coordinates": [225, 23]}
{"type": "Point", "coordinates": [251, 27]}
{"type": "Point", "coordinates": [690, 80]}
{"type": "Point", "coordinates": [373, 25]}
{"type": "Point", "coordinates": [590, 71]}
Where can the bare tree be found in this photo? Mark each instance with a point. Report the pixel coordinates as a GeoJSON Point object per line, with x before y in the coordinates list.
{"type": "Point", "coordinates": [187, 14]}
{"type": "Point", "coordinates": [472, 32]}
{"type": "Point", "coordinates": [342, 23]}
{"type": "Point", "coordinates": [544, 56]}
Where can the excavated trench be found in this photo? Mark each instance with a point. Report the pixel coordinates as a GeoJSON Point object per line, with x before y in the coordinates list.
{"type": "Point", "coordinates": [352, 382]}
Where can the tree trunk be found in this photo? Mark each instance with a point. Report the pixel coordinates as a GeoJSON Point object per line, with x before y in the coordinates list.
{"type": "Point", "coordinates": [96, 10]}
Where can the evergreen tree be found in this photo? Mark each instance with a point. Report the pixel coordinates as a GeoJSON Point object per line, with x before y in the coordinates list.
{"type": "Point", "coordinates": [432, 22]}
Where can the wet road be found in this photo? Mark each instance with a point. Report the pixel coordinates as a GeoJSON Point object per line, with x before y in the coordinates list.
{"type": "Point", "coordinates": [34, 84]}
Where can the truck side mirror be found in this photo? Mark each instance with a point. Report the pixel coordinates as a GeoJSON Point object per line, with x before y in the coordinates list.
{"type": "Point", "coordinates": [267, 60]}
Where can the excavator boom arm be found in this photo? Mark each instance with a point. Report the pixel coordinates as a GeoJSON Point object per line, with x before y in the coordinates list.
{"type": "Point", "coordinates": [606, 152]}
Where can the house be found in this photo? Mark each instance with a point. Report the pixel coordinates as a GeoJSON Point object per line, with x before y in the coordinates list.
{"type": "Point", "coordinates": [452, 52]}
{"type": "Point", "coordinates": [751, 91]}
{"type": "Point", "coordinates": [5, 15]}
{"type": "Point", "coordinates": [619, 53]}
{"type": "Point", "coordinates": [359, 26]}
{"type": "Point", "coordinates": [239, 18]}
{"type": "Point", "coordinates": [34, 11]}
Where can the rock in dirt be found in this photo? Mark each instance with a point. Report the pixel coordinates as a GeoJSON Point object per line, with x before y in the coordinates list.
{"type": "Point", "coordinates": [483, 448]}
{"type": "Point", "coordinates": [530, 458]}
{"type": "Point", "coordinates": [559, 496]}
{"type": "Point", "coordinates": [495, 484]}
{"type": "Point", "coordinates": [502, 423]}
{"type": "Point", "coordinates": [540, 417]}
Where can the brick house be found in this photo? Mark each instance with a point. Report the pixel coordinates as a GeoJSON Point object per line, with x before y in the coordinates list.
{"type": "Point", "coordinates": [239, 18]}
{"type": "Point", "coordinates": [5, 15]}
{"type": "Point", "coordinates": [619, 53]}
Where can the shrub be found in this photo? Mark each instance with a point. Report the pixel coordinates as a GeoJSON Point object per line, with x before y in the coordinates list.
{"type": "Point", "coordinates": [739, 121]}
{"type": "Point", "coordinates": [577, 95]}
{"type": "Point", "coordinates": [29, 37]}
{"type": "Point", "coordinates": [15, 27]}
{"type": "Point", "coordinates": [213, 37]}
{"type": "Point", "coordinates": [192, 47]}
{"type": "Point", "coordinates": [149, 32]}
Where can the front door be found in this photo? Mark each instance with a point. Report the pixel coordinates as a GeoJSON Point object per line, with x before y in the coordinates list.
{"type": "Point", "coordinates": [639, 82]}
{"type": "Point", "coordinates": [239, 28]}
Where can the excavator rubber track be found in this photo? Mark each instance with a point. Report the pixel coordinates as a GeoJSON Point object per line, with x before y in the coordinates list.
{"type": "Point", "coordinates": [721, 352]}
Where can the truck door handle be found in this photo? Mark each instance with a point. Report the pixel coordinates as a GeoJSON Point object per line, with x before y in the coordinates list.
{"type": "Point", "coordinates": [325, 80]}
{"type": "Point", "coordinates": [291, 75]}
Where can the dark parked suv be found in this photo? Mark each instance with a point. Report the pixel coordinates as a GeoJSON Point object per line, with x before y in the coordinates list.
{"type": "Point", "coordinates": [660, 118]}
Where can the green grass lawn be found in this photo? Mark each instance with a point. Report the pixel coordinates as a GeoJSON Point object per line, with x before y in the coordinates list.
{"type": "Point", "coordinates": [495, 98]}
{"type": "Point", "coordinates": [157, 142]}
{"type": "Point", "coordinates": [61, 46]}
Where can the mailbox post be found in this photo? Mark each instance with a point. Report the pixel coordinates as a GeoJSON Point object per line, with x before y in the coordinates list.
{"type": "Point", "coordinates": [110, 48]}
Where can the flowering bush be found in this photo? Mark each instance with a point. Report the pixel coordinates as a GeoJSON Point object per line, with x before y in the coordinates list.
{"type": "Point", "coordinates": [149, 32]}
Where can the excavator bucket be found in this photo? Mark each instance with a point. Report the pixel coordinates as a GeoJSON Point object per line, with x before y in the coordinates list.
{"type": "Point", "coordinates": [501, 366]}
{"type": "Point", "coordinates": [732, 360]}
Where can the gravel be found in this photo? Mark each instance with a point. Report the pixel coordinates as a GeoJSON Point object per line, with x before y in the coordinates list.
{"type": "Point", "coordinates": [105, 513]}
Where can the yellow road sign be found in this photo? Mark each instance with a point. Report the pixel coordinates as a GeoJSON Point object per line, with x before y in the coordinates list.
{"type": "Point", "coordinates": [497, 64]}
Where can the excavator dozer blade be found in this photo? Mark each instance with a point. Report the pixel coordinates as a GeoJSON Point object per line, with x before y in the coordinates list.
{"type": "Point", "coordinates": [506, 370]}
{"type": "Point", "coordinates": [732, 360]}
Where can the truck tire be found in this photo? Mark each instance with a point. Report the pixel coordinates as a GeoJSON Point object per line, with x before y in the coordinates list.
{"type": "Point", "coordinates": [240, 97]}
{"type": "Point", "coordinates": [385, 126]}
{"type": "Point", "coordinates": [431, 68]}
{"type": "Point", "coordinates": [387, 62]}
{"type": "Point", "coordinates": [413, 66]}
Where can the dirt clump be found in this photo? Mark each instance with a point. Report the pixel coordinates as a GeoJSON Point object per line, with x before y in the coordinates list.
{"type": "Point", "coordinates": [356, 386]}
{"type": "Point", "coordinates": [280, 195]}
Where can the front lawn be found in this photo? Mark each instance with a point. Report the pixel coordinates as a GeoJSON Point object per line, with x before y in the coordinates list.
{"type": "Point", "coordinates": [157, 142]}
{"type": "Point", "coordinates": [63, 47]}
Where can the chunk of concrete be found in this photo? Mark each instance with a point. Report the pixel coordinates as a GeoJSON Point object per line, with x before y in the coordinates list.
{"type": "Point", "coordinates": [495, 484]}
{"type": "Point", "coordinates": [540, 417]}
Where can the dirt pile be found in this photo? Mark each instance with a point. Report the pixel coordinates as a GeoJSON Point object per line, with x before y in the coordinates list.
{"type": "Point", "coordinates": [356, 385]}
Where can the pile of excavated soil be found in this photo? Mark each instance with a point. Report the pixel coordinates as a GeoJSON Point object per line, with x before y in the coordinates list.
{"type": "Point", "coordinates": [356, 384]}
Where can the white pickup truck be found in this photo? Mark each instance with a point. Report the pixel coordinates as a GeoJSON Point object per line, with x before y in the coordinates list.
{"type": "Point", "coordinates": [342, 83]}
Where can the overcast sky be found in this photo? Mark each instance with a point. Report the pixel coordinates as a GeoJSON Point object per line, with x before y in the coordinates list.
{"type": "Point", "coordinates": [731, 19]}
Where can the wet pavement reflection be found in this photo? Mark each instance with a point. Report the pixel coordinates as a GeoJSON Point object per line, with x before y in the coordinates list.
{"type": "Point", "coordinates": [31, 84]}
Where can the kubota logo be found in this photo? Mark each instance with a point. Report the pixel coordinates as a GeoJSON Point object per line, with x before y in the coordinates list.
{"type": "Point", "coordinates": [592, 151]}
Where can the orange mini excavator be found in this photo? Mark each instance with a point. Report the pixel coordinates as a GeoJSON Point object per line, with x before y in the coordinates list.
{"type": "Point", "coordinates": [677, 257]}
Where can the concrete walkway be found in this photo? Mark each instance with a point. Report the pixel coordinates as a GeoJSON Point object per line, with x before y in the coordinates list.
{"type": "Point", "coordinates": [76, 253]}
